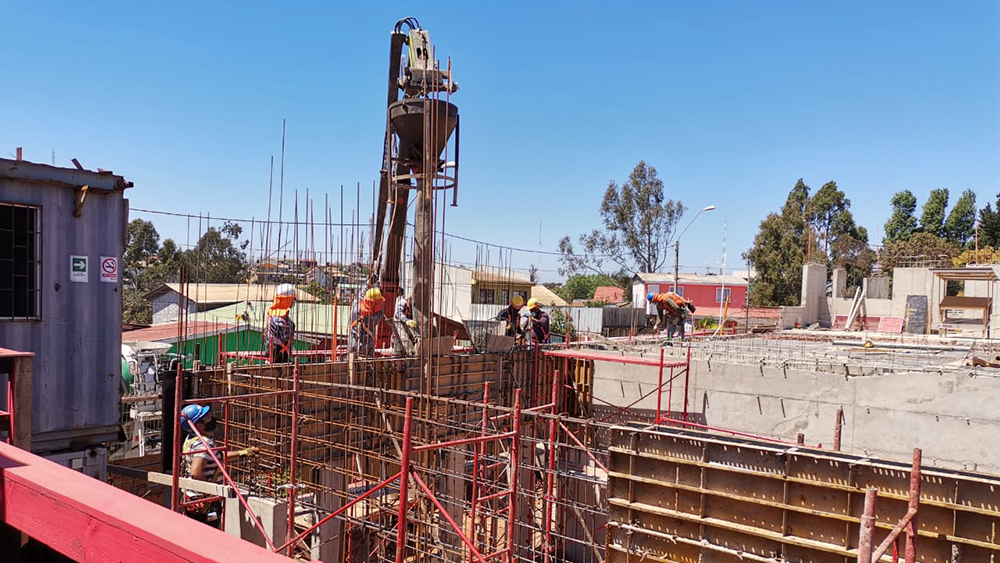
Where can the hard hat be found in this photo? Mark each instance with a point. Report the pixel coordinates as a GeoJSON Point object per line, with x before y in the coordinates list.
{"type": "Point", "coordinates": [373, 294]}
{"type": "Point", "coordinates": [192, 414]}
{"type": "Point", "coordinates": [285, 289]}
{"type": "Point", "coordinates": [533, 303]}
{"type": "Point", "coordinates": [649, 296]}
{"type": "Point", "coordinates": [517, 301]}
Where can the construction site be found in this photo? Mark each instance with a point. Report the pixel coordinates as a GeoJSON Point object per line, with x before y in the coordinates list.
{"type": "Point", "coordinates": [841, 430]}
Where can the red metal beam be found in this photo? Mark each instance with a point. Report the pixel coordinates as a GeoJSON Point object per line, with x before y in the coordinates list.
{"type": "Point", "coordinates": [90, 521]}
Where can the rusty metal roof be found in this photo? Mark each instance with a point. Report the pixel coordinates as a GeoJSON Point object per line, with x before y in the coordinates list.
{"type": "Point", "coordinates": [965, 274]}
{"type": "Point", "coordinates": [8, 353]}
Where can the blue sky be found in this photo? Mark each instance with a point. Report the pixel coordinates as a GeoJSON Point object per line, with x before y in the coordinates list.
{"type": "Point", "coordinates": [730, 101]}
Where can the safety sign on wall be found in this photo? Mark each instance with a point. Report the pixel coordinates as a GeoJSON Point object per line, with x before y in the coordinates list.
{"type": "Point", "coordinates": [109, 269]}
{"type": "Point", "coordinates": [78, 268]}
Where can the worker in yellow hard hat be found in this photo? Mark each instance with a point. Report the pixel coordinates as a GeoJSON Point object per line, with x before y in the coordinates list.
{"type": "Point", "coordinates": [539, 320]}
{"type": "Point", "coordinates": [511, 316]}
{"type": "Point", "coordinates": [365, 318]}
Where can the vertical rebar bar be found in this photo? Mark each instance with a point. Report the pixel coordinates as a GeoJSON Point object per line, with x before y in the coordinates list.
{"type": "Point", "coordinates": [910, 551]}
{"type": "Point", "coordinates": [475, 466]}
{"type": "Point", "coordinates": [687, 381]}
{"type": "Point", "coordinates": [290, 532]}
{"type": "Point", "coordinates": [404, 481]}
{"type": "Point", "coordinates": [515, 460]}
{"type": "Point", "coordinates": [550, 478]}
{"type": "Point", "coordinates": [837, 429]}
{"type": "Point", "coordinates": [659, 390]}
{"type": "Point", "coordinates": [867, 527]}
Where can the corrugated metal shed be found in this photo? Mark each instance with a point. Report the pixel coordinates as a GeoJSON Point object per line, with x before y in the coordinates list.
{"type": "Point", "coordinates": [76, 336]}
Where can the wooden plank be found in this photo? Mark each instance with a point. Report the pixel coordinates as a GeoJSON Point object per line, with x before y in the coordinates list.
{"type": "Point", "coordinates": [165, 479]}
{"type": "Point", "coordinates": [23, 382]}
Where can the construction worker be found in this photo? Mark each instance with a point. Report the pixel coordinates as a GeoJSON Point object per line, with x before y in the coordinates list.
{"type": "Point", "coordinates": [538, 322]}
{"type": "Point", "coordinates": [512, 317]}
{"type": "Point", "coordinates": [672, 311]}
{"type": "Point", "coordinates": [365, 317]}
{"type": "Point", "coordinates": [196, 463]}
{"type": "Point", "coordinates": [406, 331]}
{"type": "Point", "coordinates": [280, 328]}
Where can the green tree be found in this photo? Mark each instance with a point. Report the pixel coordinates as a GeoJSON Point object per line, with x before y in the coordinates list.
{"type": "Point", "coordinates": [322, 296]}
{"type": "Point", "coordinates": [829, 213]}
{"type": "Point", "coordinates": [582, 286]}
{"type": "Point", "coordinates": [961, 219]}
{"type": "Point", "coordinates": [989, 225]}
{"type": "Point", "coordinates": [932, 216]}
{"type": "Point", "coordinates": [779, 251]}
{"type": "Point", "coordinates": [217, 258]}
{"type": "Point", "coordinates": [903, 221]}
{"type": "Point", "coordinates": [145, 266]}
{"type": "Point", "coordinates": [639, 222]}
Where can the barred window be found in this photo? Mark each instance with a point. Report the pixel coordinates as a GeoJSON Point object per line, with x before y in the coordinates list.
{"type": "Point", "coordinates": [20, 263]}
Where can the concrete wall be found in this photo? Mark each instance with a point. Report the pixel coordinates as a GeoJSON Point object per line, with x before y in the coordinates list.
{"type": "Point", "coordinates": [950, 415]}
{"type": "Point", "coordinates": [883, 303]}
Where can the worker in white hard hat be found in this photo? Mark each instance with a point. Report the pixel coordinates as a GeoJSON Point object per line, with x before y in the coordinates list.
{"type": "Point", "coordinates": [365, 317]}
{"type": "Point", "coordinates": [511, 317]}
{"type": "Point", "coordinates": [280, 328]}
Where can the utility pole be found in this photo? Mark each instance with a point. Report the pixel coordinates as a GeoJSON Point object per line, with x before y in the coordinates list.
{"type": "Point", "coordinates": [677, 256]}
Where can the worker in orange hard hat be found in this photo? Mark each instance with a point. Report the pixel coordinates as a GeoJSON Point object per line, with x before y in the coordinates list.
{"type": "Point", "coordinates": [511, 316]}
{"type": "Point", "coordinates": [365, 317]}
{"type": "Point", "coordinates": [280, 328]}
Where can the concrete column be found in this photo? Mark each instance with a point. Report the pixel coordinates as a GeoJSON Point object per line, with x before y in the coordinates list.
{"type": "Point", "coordinates": [813, 291]}
{"type": "Point", "coordinates": [839, 283]}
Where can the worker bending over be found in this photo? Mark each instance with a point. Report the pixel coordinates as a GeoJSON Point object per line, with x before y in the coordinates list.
{"type": "Point", "coordinates": [365, 317]}
{"type": "Point", "coordinates": [280, 328]}
{"type": "Point", "coordinates": [672, 311]}
{"type": "Point", "coordinates": [538, 323]}
{"type": "Point", "coordinates": [196, 463]}
{"type": "Point", "coordinates": [406, 326]}
{"type": "Point", "coordinates": [512, 317]}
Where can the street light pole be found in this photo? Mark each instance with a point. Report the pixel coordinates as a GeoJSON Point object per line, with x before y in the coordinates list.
{"type": "Point", "coordinates": [677, 246]}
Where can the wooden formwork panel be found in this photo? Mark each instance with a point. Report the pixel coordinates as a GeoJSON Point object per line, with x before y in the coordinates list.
{"type": "Point", "coordinates": [680, 496]}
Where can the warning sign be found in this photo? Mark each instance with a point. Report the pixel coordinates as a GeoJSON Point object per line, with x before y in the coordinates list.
{"type": "Point", "coordinates": [109, 269]}
{"type": "Point", "coordinates": [78, 269]}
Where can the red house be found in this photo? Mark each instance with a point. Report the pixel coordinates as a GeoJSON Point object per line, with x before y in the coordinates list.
{"type": "Point", "coordinates": [609, 294]}
{"type": "Point", "coordinates": [708, 292]}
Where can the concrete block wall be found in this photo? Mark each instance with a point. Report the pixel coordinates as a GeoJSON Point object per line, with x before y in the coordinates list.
{"type": "Point", "coordinates": [949, 415]}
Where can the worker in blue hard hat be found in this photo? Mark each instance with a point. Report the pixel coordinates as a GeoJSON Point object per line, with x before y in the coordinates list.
{"type": "Point", "coordinates": [197, 463]}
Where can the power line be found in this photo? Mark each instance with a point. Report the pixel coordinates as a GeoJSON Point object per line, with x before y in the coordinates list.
{"type": "Point", "coordinates": [326, 224]}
